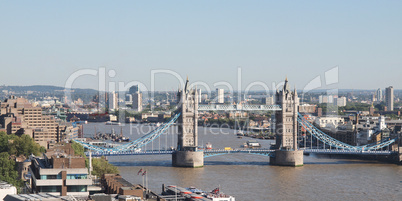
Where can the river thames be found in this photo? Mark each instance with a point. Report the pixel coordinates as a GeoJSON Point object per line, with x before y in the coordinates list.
{"type": "Point", "coordinates": [250, 177]}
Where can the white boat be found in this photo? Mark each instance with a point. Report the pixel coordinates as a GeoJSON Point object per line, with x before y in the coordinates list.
{"type": "Point", "coordinates": [240, 133]}
{"type": "Point", "coordinates": [193, 193]}
{"type": "Point", "coordinates": [112, 123]}
{"type": "Point", "coordinates": [253, 143]}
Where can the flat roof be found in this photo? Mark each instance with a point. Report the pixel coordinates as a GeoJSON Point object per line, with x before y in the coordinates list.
{"type": "Point", "coordinates": [40, 196]}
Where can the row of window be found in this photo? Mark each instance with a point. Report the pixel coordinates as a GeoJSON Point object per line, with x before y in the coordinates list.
{"type": "Point", "coordinates": [69, 176]}
{"type": "Point", "coordinates": [48, 189]}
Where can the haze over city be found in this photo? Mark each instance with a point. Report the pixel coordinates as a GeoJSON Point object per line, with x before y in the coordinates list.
{"type": "Point", "coordinates": [200, 100]}
{"type": "Point", "coordinates": [45, 42]}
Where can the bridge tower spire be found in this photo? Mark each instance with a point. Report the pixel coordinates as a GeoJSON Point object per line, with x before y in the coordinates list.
{"type": "Point", "coordinates": [287, 152]}
{"type": "Point", "coordinates": [187, 154]}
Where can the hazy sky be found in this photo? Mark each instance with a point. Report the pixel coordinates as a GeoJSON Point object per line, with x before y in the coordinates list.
{"type": "Point", "coordinates": [45, 42]}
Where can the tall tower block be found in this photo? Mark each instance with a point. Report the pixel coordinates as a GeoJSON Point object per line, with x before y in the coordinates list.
{"type": "Point", "coordinates": [187, 154]}
{"type": "Point", "coordinates": [287, 153]}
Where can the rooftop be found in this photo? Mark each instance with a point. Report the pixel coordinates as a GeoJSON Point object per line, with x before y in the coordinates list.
{"type": "Point", "coordinates": [40, 196]}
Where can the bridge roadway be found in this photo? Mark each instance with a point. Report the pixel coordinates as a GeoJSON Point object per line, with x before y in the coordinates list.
{"type": "Point", "coordinates": [264, 152]}
{"type": "Point", "coordinates": [239, 107]}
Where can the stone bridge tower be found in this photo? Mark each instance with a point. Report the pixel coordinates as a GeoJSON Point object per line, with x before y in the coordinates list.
{"type": "Point", "coordinates": [287, 152]}
{"type": "Point", "coordinates": [187, 154]}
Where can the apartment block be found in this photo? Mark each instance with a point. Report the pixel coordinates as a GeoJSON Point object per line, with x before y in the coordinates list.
{"type": "Point", "coordinates": [18, 116]}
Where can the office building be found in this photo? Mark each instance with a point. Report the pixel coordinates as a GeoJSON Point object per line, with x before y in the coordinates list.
{"type": "Point", "coordinates": [389, 98]}
{"type": "Point", "coordinates": [135, 97]}
{"type": "Point", "coordinates": [199, 95]}
{"type": "Point", "coordinates": [129, 98]}
{"type": "Point", "coordinates": [137, 102]}
{"type": "Point", "coordinates": [220, 96]}
{"type": "Point", "coordinates": [114, 101]}
{"type": "Point", "coordinates": [133, 89]}
{"type": "Point", "coordinates": [340, 102]}
{"type": "Point", "coordinates": [325, 99]}
{"type": "Point", "coordinates": [69, 130]}
{"type": "Point", "coordinates": [379, 94]}
{"type": "Point", "coordinates": [268, 100]}
{"type": "Point", "coordinates": [60, 172]}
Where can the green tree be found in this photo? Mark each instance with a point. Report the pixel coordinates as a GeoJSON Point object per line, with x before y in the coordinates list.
{"type": "Point", "coordinates": [102, 166]}
{"type": "Point", "coordinates": [24, 145]}
{"type": "Point", "coordinates": [78, 149]}
{"type": "Point", "coordinates": [3, 142]}
{"type": "Point", "coordinates": [8, 172]}
{"type": "Point", "coordinates": [19, 145]}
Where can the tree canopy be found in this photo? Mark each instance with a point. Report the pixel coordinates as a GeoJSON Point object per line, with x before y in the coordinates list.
{"type": "Point", "coordinates": [19, 145]}
{"type": "Point", "coordinates": [8, 170]}
{"type": "Point", "coordinates": [102, 166]}
{"type": "Point", "coordinates": [15, 145]}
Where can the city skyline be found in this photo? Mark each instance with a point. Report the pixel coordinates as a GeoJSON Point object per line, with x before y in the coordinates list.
{"type": "Point", "coordinates": [208, 41]}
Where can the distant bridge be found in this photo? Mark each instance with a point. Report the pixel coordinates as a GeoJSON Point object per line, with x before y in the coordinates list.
{"type": "Point", "coordinates": [238, 107]}
{"type": "Point", "coordinates": [262, 152]}
{"type": "Point", "coordinates": [335, 145]}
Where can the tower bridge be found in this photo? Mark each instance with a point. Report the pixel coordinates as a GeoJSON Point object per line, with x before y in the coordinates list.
{"type": "Point", "coordinates": [286, 152]}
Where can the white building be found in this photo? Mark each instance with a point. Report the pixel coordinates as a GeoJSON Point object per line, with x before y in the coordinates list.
{"type": "Point", "coordinates": [199, 95]}
{"type": "Point", "coordinates": [114, 101]}
{"type": "Point", "coordinates": [137, 101]}
{"type": "Point", "coordinates": [329, 121]}
{"type": "Point", "coordinates": [220, 96]}
{"type": "Point", "coordinates": [6, 189]}
{"type": "Point", "coordinates": [341, 101]}
{"type": "Point", "coordinates": [325, 99]}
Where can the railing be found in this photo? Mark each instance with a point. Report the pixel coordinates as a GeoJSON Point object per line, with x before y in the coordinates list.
{"type": "Point", "coordinates": [134, 144]}
{"type": "Point", "coordinates": [226, 107]}
{"type": "Point", "coordinates": [326, 139]}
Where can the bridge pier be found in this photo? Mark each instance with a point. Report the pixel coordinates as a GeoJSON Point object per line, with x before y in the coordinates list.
{"type": "Point", "coordinates": [287, 158]}
{"type": "Point", "coordinates": [192, 159]}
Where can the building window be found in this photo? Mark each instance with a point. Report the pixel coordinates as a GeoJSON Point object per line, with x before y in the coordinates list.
{"type": "Point", "coordinates": [50, 189]}
{"type": "Point", "coordinates": [78, 188]}
{"type": "Point", "coordinates": [45, 177]}
{"type": "Point", "coordinates": [76, 176]}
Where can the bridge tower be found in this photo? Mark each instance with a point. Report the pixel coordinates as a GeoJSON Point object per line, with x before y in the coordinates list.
{"type": "Point", "coordinates": [286, 149]}
{"type": "Point", "coordinates": [187, 154]}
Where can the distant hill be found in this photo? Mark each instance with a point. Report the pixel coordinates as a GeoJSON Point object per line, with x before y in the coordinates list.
{"type": "Point", "coordinates": [43, 89]}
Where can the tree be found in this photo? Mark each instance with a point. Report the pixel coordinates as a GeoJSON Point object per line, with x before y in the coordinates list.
{"type": "Point", "coordinates": [101, 166]}
{"type": "Point", "coordinates": [24, 145]}
{"type": "Point", "coordinates": [3, 142]}
{"type": "Point", "coordinates": [8, 172]}
{"type": "Point", "coordinates": [380, 107]}
{"type": "Point", "coordinates": [78, 149]}
{"type": "Point", "coordinates": [19, 145]}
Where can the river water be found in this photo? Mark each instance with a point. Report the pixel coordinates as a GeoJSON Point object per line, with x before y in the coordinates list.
{"type": "Point", "coordinates": [250, 177]}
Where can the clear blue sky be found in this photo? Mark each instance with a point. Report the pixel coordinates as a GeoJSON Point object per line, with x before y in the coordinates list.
{"type": "Point", "coordinates": [44, 42]}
